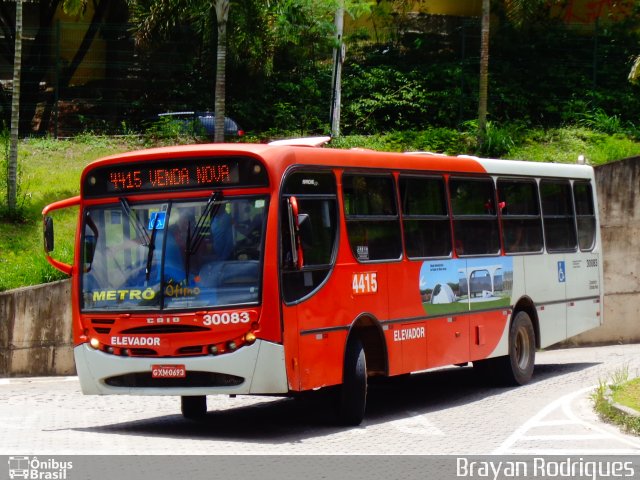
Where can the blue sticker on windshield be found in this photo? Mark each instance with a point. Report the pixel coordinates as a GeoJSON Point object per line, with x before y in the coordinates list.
{"type": "Point", "coordinates": [157, 219]}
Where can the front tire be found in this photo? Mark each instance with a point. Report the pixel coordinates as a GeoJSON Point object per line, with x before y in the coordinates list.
{"type": "Point", "coordinates": [352, 395]}
{"type": "Point", "coordinates": [194, 407]}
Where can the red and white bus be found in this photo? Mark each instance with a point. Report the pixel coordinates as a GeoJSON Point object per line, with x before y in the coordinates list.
{"type": "Point", "coordinates": [277, 269]}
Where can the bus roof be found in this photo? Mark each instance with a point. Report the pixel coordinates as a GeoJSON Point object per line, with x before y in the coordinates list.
{"type": "Point", "coordinates": [280, 157]}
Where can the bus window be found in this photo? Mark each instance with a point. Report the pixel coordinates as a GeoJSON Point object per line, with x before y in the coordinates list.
{"type": "Point", "coordinates": [557, 213]}
{"type": "Point", "coordinates": [372, 217]}
{"type": "Point", "coordinates": [585, 215]}
{"type": "Point", "coordinates": [521, 221]}
{"type": "Point", "coordinates": [317, 206]}
{"type": "Point", "coordinates": [475, 221]}
{"type": "Point", "coordinates": [425, 217]}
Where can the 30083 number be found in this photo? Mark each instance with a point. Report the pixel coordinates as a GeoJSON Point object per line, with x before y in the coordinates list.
{"type": "Point", "coordinates": [226, 318]}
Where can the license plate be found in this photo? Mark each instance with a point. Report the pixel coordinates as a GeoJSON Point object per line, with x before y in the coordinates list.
{"type": "Point", "coordinates": [168, 371]}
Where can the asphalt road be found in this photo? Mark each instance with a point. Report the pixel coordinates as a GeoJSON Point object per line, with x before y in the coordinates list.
{"type": "Point", "coordinates": [449, 411]}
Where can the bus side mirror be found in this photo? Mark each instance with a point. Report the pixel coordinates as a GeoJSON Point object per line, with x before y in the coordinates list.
{"type": "Point", "coordinates": [48, 234]}
{"type": "Point", "coordinates": [294, 231]}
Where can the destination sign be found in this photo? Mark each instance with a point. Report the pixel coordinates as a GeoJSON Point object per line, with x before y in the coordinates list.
{"type": "Point", "coordinates": [175, 174]}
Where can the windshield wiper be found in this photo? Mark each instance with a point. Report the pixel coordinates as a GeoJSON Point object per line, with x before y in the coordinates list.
{"type": "Point", "coordinates": [195, 238]}
{"type": "Point", "coordinates": [136, 222]}
{"type": "Point", "coordinates": [152, 246]}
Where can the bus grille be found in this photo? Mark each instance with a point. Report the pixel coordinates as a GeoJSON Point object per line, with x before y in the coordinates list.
{"type": "Point", "coordinates": [102, 321]}
{"type": "Point", "coordinates": [194, 350]}
{"type": "Point", "coordinates": [193, 379]}
{"type": "Point", "coordinates": [142, 352]}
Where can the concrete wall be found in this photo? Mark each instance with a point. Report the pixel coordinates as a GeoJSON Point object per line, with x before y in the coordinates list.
{"type": "Point", "coordinates": [618, 187]}
{"type": "Point", "coordinates": [35, 322]}
{"type": "Point", "coordinates": [35, 331]}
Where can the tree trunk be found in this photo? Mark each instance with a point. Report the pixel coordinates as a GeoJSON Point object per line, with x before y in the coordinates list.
{"type": "Point", "coordinates": [222, 14]}
{"type": "Point", "coordinates": [338, 58]}
{"type": "Point", "coordinates": [37, 63]}
{"type": "Point", "coordinates": [12, 170]}
{"type": "Point", "coordinates": [484, 72]}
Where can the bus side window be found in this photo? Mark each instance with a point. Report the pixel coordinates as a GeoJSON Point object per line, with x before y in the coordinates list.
{"type": "Point", "coordinates": [475, 221]}
{"type": "Point", "coordinates": [558, 215]}
{"type": "Point", "coordinates": [585, 215]}
{"type": "Point", "coordinates": [521, 221]}
{"type": "Point", "coordinates": [425, 216]}
{"type": "Point", "coordinates": [371, 212]}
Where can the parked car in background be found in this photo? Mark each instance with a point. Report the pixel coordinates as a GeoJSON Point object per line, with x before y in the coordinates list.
{"type": "Point", "coordinates": [203, 123]}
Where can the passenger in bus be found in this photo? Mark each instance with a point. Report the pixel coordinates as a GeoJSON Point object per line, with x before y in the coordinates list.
{"type": "Point", "coordinates": [222, 235]}
{"type": "Point", "coordinates": [178, 235]}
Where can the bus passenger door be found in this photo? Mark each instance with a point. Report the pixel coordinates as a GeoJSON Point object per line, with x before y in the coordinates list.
{"type": "Point", "coordinates": [308, 236]}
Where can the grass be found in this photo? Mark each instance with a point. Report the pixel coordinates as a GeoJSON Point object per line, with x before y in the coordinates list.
{"type": "Point", "coordinates": [628, 394]}
{"type": "Point", "coordinates": [50, 171]}
{"type": "Point", "coordinates": [564, 145]}
{"type": "Point", "coordinates": [619, 390]}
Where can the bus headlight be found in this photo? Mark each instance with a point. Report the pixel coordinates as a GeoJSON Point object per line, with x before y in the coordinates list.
{"type": "Point", "coordinates": [95, 343]}
{"type": "Point", "coordinates": [250, 338]}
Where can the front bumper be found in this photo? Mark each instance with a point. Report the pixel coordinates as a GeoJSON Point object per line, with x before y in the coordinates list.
{"type": "Point", "coordinates": [260, 368]}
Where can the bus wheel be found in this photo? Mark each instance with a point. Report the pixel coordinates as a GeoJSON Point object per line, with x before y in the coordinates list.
{"type": "Point", "coordinates": [517, 367]}
{"type": "Point", "coordinates": [352, 398]}
{"type": "Point", "coordinates": [194, 408]}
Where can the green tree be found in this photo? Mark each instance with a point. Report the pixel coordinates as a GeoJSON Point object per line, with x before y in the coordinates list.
{"type": "Point", "coordinates": [39, 58]}
{"type": "Point", "coordinates": [518, 12]}
{"type": "Point", "coordinates": [160, 18]}
{"type": "Point", "coordinates": [251, 35]}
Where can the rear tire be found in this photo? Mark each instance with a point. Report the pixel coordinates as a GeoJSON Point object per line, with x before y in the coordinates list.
{"type": "Point", "coordinates": [352, 395]}
{"type": "Point", "coordinates": [517, 367]}
{"type": "Point", "coordinates": [194, 407]}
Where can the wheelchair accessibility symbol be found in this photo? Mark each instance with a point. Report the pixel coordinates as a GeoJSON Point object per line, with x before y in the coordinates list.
{"type": "Point", "coordinates": [561, 272]}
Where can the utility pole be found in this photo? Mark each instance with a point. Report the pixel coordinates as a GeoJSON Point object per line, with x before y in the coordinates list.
{"type": "Point", "coordinates": [12, 170]}
{"type": "Point", "coordinates": [338, 59]}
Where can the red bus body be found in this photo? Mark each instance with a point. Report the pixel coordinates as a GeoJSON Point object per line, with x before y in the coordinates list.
{"type": "Point", "coordinates": [284, 341]}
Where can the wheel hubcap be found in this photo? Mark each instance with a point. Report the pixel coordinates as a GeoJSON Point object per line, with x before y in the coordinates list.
{"type": "Point", "coordinates": [522, 349]}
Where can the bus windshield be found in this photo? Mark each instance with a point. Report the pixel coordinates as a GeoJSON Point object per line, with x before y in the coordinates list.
{"type": "Point", "coordinates": [176, 254]}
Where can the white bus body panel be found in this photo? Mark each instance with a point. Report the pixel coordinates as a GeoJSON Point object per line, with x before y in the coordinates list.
{"type": "Point", "coordinates": [565, 306]}
{"type": "Point", "coordinates": [262, 365]}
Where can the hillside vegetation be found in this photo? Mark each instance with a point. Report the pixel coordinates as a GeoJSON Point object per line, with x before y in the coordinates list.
{"type": "Point", "coordinates": [49, 170]}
